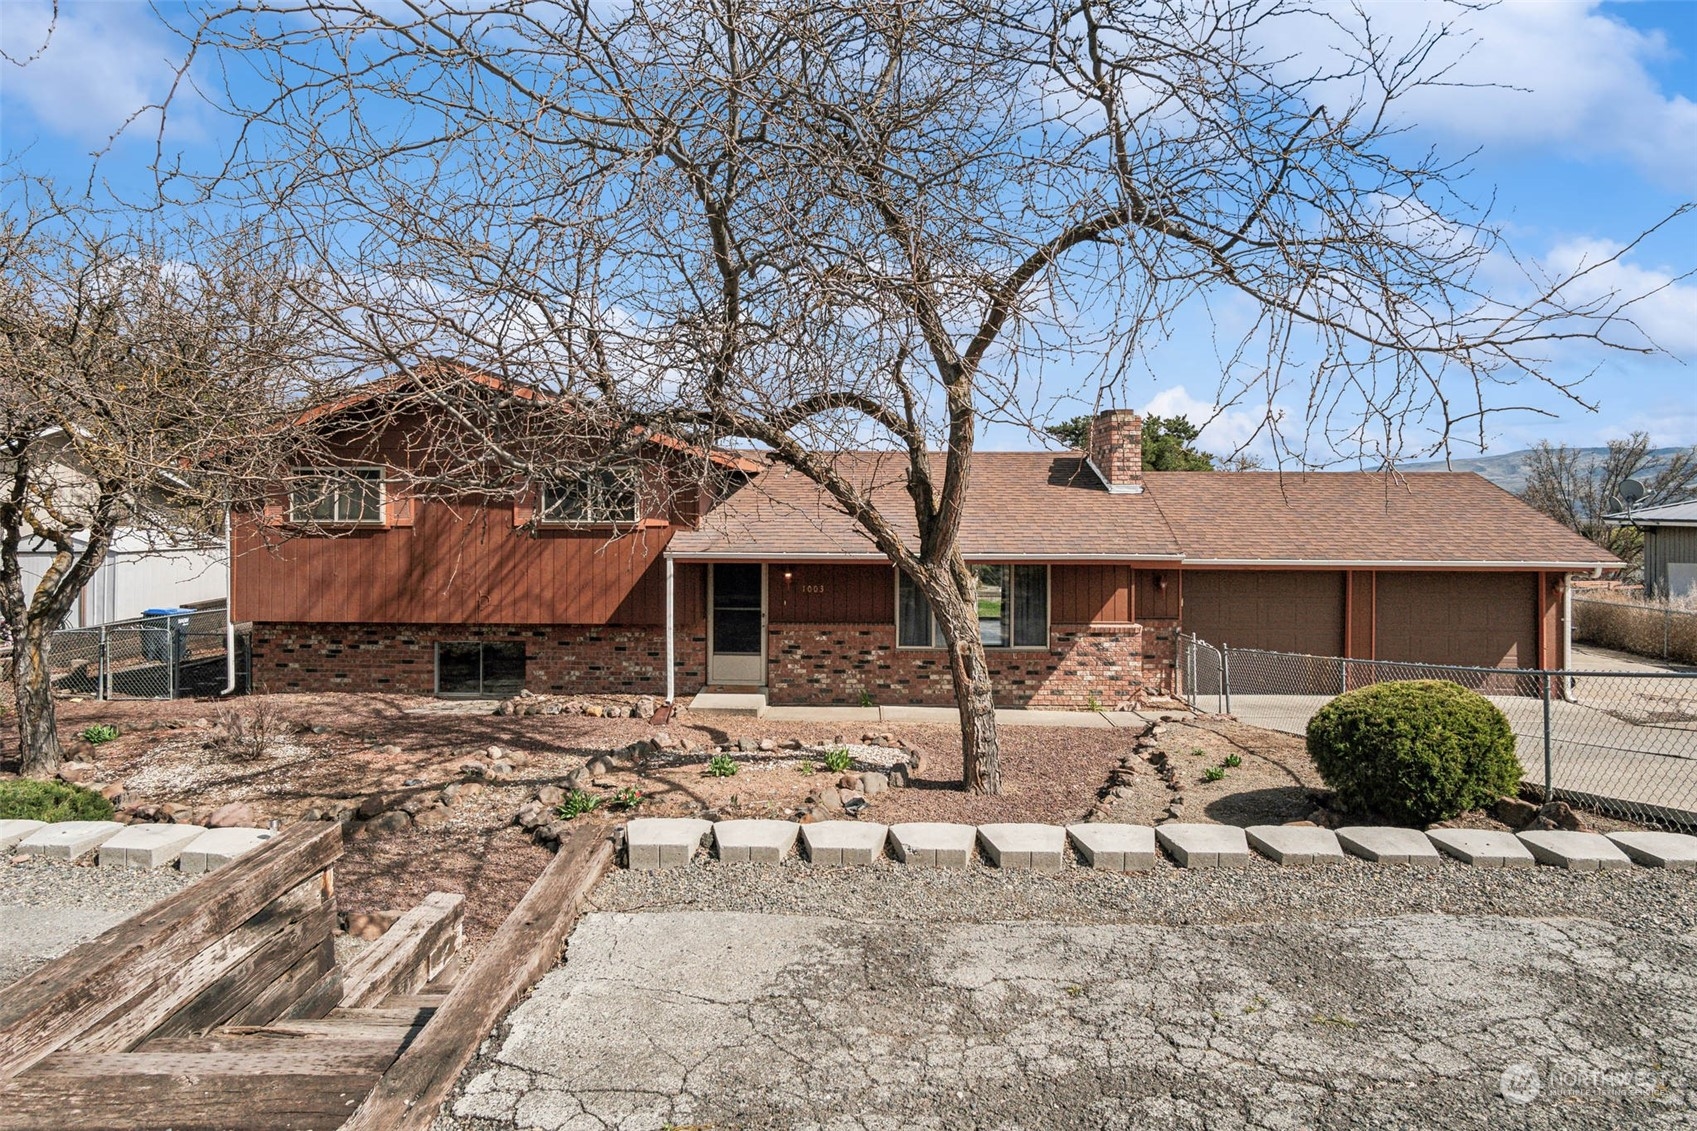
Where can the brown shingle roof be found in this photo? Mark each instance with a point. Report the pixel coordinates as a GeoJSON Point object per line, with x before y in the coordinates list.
{"type": "Point", "coordinates": [1022, 505]}
{"type": "Point", "coordinates": [1366, 517]}
{"type": "Point", "coordinates": [1051, 506]}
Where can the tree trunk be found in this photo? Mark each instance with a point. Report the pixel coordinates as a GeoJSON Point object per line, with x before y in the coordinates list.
{"type": "Point", "coordinates": [39, 752]}
{"type": "Point", "coordinates": [957, 616]}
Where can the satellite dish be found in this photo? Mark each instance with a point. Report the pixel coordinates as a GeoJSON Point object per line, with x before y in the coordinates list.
{"type": "Point", "coordinates": [1631, 490]}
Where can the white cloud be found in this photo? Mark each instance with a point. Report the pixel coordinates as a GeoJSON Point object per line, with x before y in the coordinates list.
{"type": "Point", "coordinates": [1667, 310]}
{"type": "Point", "coordinates": [88, 71]}
{"type": "Point", "coordinates": [1224, 430]}
{"type": "Point", "coordinates": [1559, 75]}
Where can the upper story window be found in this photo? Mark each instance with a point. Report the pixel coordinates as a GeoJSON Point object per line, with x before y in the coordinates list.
{"type": "Point", "coordinates": [1013, 609]}
{"type": "Point", "coordinates": [338, 496]}
{"type": "Point", "coordinates": [606, 497]}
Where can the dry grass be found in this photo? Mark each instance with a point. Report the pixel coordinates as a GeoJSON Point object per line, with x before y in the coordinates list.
{"type": "Point", "coordinates": [1617, 620]}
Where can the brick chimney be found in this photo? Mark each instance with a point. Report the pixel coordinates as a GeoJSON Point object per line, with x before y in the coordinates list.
{"type": "Point", "coordinates": [1116, 450]}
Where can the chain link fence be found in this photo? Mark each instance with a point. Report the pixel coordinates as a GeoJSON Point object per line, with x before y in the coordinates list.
{"type": "Point", "coordinates": [165, 657]}
{"type": "Point", "coordinates": [1622, 743]}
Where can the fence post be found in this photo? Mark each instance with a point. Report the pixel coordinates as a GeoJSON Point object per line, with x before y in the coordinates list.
{"type": "Point", "coordinates": [1343, 678]}
{"type": "Point", "coordinates": [1226, 675]}
{"type": "Point", "coordinates": [1549, 761]}
{"type": "Point", "coordinates": [102, 675]}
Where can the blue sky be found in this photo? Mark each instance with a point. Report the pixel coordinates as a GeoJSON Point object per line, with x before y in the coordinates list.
{"type": "Point", "coordinates": [1588, 137]}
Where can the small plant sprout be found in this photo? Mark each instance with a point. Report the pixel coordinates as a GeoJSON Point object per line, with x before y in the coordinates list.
{"type": "Point", "coordinates": [866, 699]}
{"type": "Point", "coordinates": [627, 798]}
{"type": "Point", "coordinates": [806, 766]}
{"type": "Point", "coordinates": [1093, 703]}
{"type": "Point", "coordinates": [1233, 761]}
{"type": "Point", "coordinates": [838, 760]}
{"type": "Point", "coordinates": [722, 766]}
{"type": "Point", "coordinates": [99, 733]}
{"type": "Point", "coordinates": [1213, 773]}
{"type": "Point", "coordinates": [1198, 752]}
{"type": "Point", "coordinates": [576, 804]}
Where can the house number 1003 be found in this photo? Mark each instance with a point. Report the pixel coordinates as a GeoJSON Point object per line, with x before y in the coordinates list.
{"type": "Point", "coordinates": [813, 589]}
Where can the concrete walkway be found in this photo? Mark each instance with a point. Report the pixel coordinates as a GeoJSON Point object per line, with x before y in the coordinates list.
{"type": "Point", "coordinates": [948, 716]}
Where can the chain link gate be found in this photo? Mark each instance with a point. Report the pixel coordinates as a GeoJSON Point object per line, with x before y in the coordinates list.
{"type": "Point", "coordinates": [163, 657]}
{"type": "Point", "coordinates": [1623, 743]}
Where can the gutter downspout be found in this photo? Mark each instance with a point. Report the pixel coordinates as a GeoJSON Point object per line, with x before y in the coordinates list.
{"type": "Point", "coordinates": [229, 603]}
{"type": "Point", "coordinates": [671, 630]}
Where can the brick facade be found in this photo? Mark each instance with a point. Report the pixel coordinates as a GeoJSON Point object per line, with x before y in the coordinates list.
{"type": "Point", "coordinates": [402, 658]}
{"type": "Point", "coordinates": [826, 664]}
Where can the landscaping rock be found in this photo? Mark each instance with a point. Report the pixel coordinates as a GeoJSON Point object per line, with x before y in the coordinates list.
{"type": "Point", "coordinates": [1560, 815]}
{"type": "Point", "coordinates": [872, 782]}
{"type": "Point", "coordinates": [644, 708]}
{"type": "Point", "coordinates": [898, 777]}
{"type": "Point", "coordinates": [235, 815]}
{"type": "Point", "coordinates": [1514, 812]}
{"type": "Point", "coordinates": [663, 842]}
{"type": "Point", "coordinates": [843, 842]}
{"type": "Point", "coordinates": [371, 806]}
{"type": "Point", "coordinates": [517, 759]}
{"type": "Point", "coordinates": [593, 710]}
{"type": "Point", "coordinates": [370, 925]}
{"type": "Point", "coordinates": [550, 795]}
{"type": "Point", "coordinates": [474, 770]}
{"type": "Point", "coordinates": [431, 817]}
{"type": "Point", "coordinates": [77, 773]}
{"type": "Point", "coordinates": [393, 821]}
{"type": "Point", "coordinates": [933, 844]}
{"type": "Point", "coordinates": [849, 781]}
{"type": "Point", "coordinates": [754, 841]}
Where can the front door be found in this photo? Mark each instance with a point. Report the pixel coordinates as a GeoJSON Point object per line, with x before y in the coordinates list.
{"type": "Point", "coordinates": [736, 636]}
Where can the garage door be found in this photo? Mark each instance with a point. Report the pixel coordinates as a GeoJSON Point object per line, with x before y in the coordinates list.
{"type": "Point", "coordinates": [1281, 611]}
{"type": "Point", "coordinates": [1486, 620]}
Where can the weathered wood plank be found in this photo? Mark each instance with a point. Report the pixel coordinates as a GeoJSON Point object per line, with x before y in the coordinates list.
{"type": "Point", "coordinates": [409, 954]}
{"type": "Point", "coordinates": [127, 1023]}
{"type": "Point", "coordinates": [47, 1009]}
{"type": "Point", "coordinates": [526, 946]}
{"type": "Point", "coordinates": [276, 950]}
{"type": "Point", "coordinates": [307, 1099]}
{"type": "Point", "coordinates": [318, 1000]}
{"type": "Point", "coordinates": [305, 977]}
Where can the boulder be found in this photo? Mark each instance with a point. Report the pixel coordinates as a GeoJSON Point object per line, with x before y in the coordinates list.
{"type": "Point", "coordinates": [1514, 812]}
{"type": "Point", "coordinates": [372, 805]}
{"type": "Point", "coordinates": [1560, 815]}
{"type": "Point", "coordinates": [235, 815]}
{"type": "Point", "coordinates": [550, 795]}
{"type": "Point", "coordinates": [593, 710]}
{"type": "Point", "coordinates": [77, 773]}
{"type": "Point", "coordinates": [872, 783]}
{"type": "Point", "coordinates": [898, 777]}
{"type": "Point", "coordinates": [431, 817]}
{"type": "Point", "coordinates": [500, 771]}
{"type": "Point", "coordinates": [849, 781]}
{"type": "Point", "coordinates": [663, 740]}
{"type": "Point", "coordinates": [768, 744]}
{"type": "Point", "coordinates": [644, 708]}
{"type": "Point", "coordinates": [394, 821]}
{"type": "Point", "coordinates": [474, 769]}
{"type": "Point", "coordinates": [615, 713]}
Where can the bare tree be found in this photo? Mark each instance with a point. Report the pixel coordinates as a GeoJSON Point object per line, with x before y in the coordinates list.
{"type": "Point", "coordinates": [879, 225]}
{"type": "Point", "coordinates": [141, 377]}
{"type": "Point", "coordinates": [1579, 489]}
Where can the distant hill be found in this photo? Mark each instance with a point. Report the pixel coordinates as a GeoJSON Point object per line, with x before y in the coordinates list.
{"type": "Point", "coordinates": [1508, 470]}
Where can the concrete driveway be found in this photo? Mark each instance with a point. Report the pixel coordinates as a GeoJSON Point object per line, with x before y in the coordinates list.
{"type": "Point", "coordinates": [811, 1015]}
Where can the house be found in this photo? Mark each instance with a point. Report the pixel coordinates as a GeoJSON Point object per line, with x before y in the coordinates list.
{"type": "Point", "coordinates": [1670, 547]}
{"type": "Point", "coordinates": [139, 572]}
{"type": "Point", "coordinates": [1089, 568]}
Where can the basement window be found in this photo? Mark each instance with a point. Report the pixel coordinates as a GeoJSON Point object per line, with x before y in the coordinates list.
{"type": "Point", "coordinates": [475, 668]}
{"type": "Point", "coordinates": [1013, 609]}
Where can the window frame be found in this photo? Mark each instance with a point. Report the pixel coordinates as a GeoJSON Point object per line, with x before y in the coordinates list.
{"type": "Point", "coordinates": [1011, 615]}
{"type": "Point", "coordinates": [359, 472]}
{"type": "Point", "coordinates": [482, 691]}
{"type": "Point", "coordinates": [625, 476]}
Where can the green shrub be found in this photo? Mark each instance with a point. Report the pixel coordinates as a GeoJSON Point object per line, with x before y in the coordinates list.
{"type": "Point", "coordinates": [1213, 773]}
{"type": "Point", "coordinates": [98, 733]}
{"type": "Point", "coordinates": [722, 766]}
{"type": "Point", "coordinates": [30, 800]}
{"type": "Point", "coordinates": [1417, 751]}
{"type": "Point", "coordinates": [838, 760]}
{"type": "Point", "coordinates": [576, 804]}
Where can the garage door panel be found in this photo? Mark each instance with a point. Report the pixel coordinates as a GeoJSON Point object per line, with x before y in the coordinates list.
{"type": "Point", "coordinates": [1487, 620]}
{"type": "Point", "coordinates": [1276, 610]}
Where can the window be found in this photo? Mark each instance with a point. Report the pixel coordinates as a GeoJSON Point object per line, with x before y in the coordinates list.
{"type": "Point", "coordinates": [337, 496]}
{"type": "Point", "coordinates": [1013, 609]}
{"type": "Point", "coordinates": [610, 495]}
{"type": "Point", "coordinates": [474, 668]}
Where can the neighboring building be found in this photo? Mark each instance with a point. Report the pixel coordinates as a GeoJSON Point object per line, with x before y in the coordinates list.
{"type": "Point", "coordinates": [1089, 568]}
{"type": "Point", "coordinates": [138, 573]}
{"type": "Point", "coordinates": [1670, 547]}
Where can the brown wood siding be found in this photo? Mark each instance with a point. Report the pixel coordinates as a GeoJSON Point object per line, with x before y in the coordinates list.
{"type": "Point", "coordinates": [1090, 594]}
{"type": "Point", "coordinates": [1158, 595]}
{"type": "Point", "coordinates": [459, 564]}
{"type": "Point", "coordinates": [1361, 614]}
{"type": "Point", "coordinates": [1277, 610]}
{"type": "Point", "coordinates": [1488, 620]}
{"type": "Point", "coordinates": [819, 593]}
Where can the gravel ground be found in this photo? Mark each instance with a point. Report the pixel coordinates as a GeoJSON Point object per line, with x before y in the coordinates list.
{"type": "Point", "coordinates": [736, 996]}
{"type": "Point", "coordinates": [49, 906]}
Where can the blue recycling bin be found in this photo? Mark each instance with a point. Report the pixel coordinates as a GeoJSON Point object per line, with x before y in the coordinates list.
{"type": "Point", "coordinates": [164, 634]}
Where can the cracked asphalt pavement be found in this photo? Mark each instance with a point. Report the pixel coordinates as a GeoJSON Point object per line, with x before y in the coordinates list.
{"type": "Point", "coordinates": [1348, 996]}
